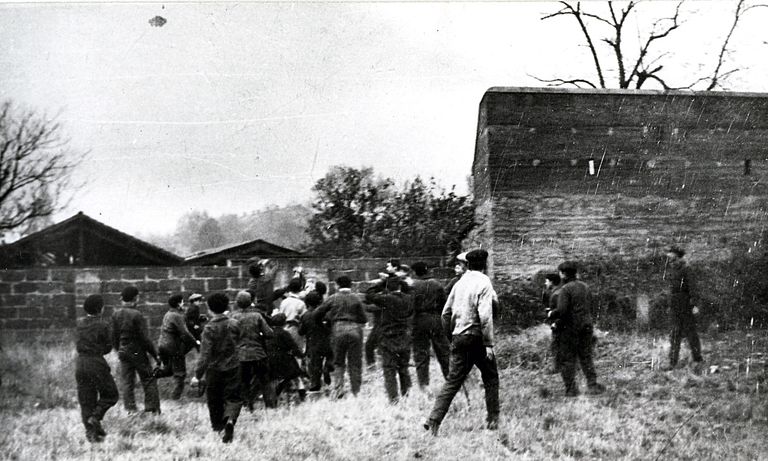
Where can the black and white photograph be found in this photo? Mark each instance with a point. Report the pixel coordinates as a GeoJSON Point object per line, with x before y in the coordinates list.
{"type": "Point", "coordinates": [384, 230]}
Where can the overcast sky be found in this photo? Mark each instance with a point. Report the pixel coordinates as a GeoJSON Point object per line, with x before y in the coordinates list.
{"type": "Point", "coordinates": [232, 107]}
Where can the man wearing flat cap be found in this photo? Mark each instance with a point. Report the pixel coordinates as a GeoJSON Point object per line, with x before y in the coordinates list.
{"type": "Point", "coordinates": [468, 318]}
{"type": "Point", "coordinates": [682, 308]}
{"type": "Point", "coordinates": [573, 314]}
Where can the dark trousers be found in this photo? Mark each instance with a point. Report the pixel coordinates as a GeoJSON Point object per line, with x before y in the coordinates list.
{"type": "Point", "coordinates": [174, 364]}
{"type": "Point", "coordinates": [468, 351]}
{"type": "Point", "coordinates": [224, 397]}
{"type": "Point", "coordinates": [371, 344]}
{"type": "Point", "coordinates": [319, 360]}
{"type": "Point", "coordinates": [395, 356]}
{"type": "Point", "coordinates": [254, 376]}
{"type": "Point", "coordinates": [575, 345]}
{"type": "Point", "coordinates": [347, 343]}
{"type": "Point", "coordinates": [428, 328]}
{"type": "Point", "coordinates": [96, 390]}
{"type": "Point", "coordinates": [684, 326]}
{"type": "Point", "coordinates": [132, 364]}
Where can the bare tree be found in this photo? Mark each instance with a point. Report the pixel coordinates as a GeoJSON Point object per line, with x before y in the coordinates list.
{"type": "Point", "coordinates": [638, 62]}
{"type": "Point", "coordinates": [36, 165]}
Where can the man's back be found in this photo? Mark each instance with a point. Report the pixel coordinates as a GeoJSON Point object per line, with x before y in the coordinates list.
{"type": "Point", "coordinates": [396, 310]}
{"type": "Point", "coordinates": [469, 308]}
{"type": "Point", "coordinates": [130, 330]}
{"type": "Point", "coordinates": [342, 306]}
{"type": "Point", "coordinates": [428, 296]}
{"type": "Point", "coordinates": [574, 303]}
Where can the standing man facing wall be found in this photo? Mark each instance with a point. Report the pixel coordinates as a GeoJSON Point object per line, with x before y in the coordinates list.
{"type": "Point", "coordinates": [130, 340]}
{"type": "Point", "coordinates": [428, 302]}
{"type": "Point", "coordinates": [573, 316]}
{"type": "Point", "coordinates": [682, 310]}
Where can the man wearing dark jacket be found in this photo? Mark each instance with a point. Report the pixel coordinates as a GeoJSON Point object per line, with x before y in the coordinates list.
{"type": "Point", "coordinates": [175, 341]}
{"type": "Point", "coordinates": [133, 346]}
{"type": "Point", "coordinates": [318, 334]}
{"type": "Point", "coordinates": [218, 367]}
{"type": "Point", "coordinates": [395, 343]}
{"type": "Point", "coordinates": [573, 315]}
{"type": "Point", "coordinates": [682, 309]}
{"type": "Point", "coordinates": [428, 301]}
{"type": "Point", "coordinates": [254, 366]}
{"type": "Point", "coordinates": [346, 315]}
{"type": "Point", "coordinates": [96, 390]}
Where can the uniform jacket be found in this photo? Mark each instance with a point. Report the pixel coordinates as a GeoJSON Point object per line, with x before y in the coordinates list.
{"type": "Point", "coordinates": [342, 306]}
{"type": "Point", "coordinates": [129, 332]}
{"type": "Point", "coordinates": [682, 288]}
{"type": "Point", "coordinates": [174, 335]}
{"type": "Point", "coordinates": [92, 337]}
{"type": "Point", "coordinates": [396, 311]}
{"type": "Point", "coordinates": [282, 351]}
{"type": "Point", "coordinates": [428, 296]}
{"type": "Point", "coordinates": [574, 306]}
{"type": "Point", "coordinates": [253, 331]}
{"type": "Point", "coordinates": [218, 350]}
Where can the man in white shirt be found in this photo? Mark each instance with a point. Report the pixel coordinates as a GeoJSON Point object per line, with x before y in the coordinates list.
{"type": "Point", "coordinates": [468, 319]}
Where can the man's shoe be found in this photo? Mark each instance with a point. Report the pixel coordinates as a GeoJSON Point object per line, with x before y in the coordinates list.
{"type": "Point", "coordinates": [327, 377]}
{"type": "Point", "coordinates": [229, 432]}
{"type": "Point", "coordinates": [432, 427]}
{"type": "Point", "coordinates": [493, 425]}
{"type": "Point", "coordinates": [96, 426]}
{"type": "Point", "coordinates": [93, 437]}
{"type": "Point", "coordinates": [572, 392]}
{"type": "Point", "coordinates": [595, 389]}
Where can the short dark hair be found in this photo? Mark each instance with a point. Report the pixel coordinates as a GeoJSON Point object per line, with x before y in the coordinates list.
{"type": "Point", "coordinates": [218, 302]}
{"type": "Point", "coordinates": [420, 268]}
{"type": "Point", "coordinates": [313, 299]}
{"type": "Point", "coordinates": [294, 286]}
{"type": "Point", "coordinates": [569, 268]}
{"type": "Point", "coordinates": [93, 304]}
{"type": "Point", "coordinates": [344, 281]}
{"type": "Point", "coordinates": [321, 288]}
{"type": "Point", "coordinates": [554, 278]}
{"type": "Point", "coordinates": [477, 259]}
{"type": "Point", "coordinates": [393, 284]}
{"type": "Point", "coordinates": [279, 319]}
{"type": "Point", "coordinates": [175, 300]}
{"type": "Point", "coordinates": [129, 293]}
{"type": "Point", "coordinates": [394, 262]}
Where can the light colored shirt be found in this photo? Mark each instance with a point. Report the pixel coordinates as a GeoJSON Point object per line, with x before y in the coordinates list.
{"type": "Point", "coordinates": [293, 307]}
{"type": "Point", "coordinates": [469, 308]}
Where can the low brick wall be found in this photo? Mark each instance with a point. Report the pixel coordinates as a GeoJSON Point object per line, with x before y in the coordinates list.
{"type": "Point", "coordinates": [32, 300]}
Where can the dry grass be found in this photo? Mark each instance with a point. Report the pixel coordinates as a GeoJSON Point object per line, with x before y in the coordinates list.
{"type": "Point", "coordinates": [645, 414]}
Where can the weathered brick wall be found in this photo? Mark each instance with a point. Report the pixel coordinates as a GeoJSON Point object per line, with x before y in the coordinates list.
{"type": "Point", "coordinates": [51, 298]}
{"type": "Point", "coordinates": [665, 167]}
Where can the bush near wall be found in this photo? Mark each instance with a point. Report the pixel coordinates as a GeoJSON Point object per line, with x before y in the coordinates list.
{"type": "Point", "coordinates": [733, 293]}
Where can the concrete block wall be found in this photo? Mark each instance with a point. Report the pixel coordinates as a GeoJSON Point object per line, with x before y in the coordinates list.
{"type": "Point", "coordinates": [50, 299]}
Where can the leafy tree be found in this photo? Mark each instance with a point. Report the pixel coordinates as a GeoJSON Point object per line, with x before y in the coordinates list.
{"type": "Point", "coordinates": [349, 204]}
{"type": "Point", "coordinates": [634, 54]}
{"type": "Point", "coordinates": [360, 215]}
{"type": "Point", "coordinates": [209, 235]}
{"type": "Point", "coordinates": [36, 166]}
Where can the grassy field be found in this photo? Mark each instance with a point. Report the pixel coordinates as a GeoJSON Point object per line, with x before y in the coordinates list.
{"type": "Point", "coordinates": [645, 414]}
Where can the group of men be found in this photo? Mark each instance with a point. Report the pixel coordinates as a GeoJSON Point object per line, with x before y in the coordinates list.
{"type": "Point", "coordinates": [246, 351]}
{"type": "Point", "coordinates": [567, 301]}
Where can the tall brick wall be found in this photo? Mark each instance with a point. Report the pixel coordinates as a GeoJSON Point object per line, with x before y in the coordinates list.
{"type": "Point", "coordinates": [665, 167]}
{"type": "Point", "coordinates": [51, 298]}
